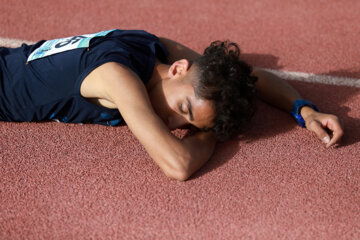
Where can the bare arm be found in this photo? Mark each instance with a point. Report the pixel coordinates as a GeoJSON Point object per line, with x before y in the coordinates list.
{"type": "Point", "coordinates": [279, 93]}
{"type": "Point", "coordinates": [178, 158]}
{"type": "Point", "coordinates": [274, 90]}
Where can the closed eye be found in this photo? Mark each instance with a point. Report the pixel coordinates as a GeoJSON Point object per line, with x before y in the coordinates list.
{"type": "Point", "coordinates": [188, 110]}
{"type": "Point", "coordinates": [181, 109]}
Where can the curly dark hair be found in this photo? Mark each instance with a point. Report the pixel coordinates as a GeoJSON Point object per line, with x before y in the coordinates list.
{"type": "Point", "coordinates": [225, 80]}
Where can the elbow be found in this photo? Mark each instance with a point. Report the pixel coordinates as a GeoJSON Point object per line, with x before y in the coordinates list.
{"type": "Point", "coordinates": [180, 170]}
{"type": "Point", "coordinates": [179, 175]}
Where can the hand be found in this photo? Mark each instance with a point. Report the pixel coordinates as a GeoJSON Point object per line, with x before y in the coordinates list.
{"type": "Point", "coordinates": [321, 124]}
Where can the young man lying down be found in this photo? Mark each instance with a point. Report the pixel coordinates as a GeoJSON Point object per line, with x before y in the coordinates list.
{"type": "Point", "coordinates": [152, 84]}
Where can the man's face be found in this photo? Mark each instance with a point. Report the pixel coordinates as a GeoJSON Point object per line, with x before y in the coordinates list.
{"type": "Point", "coordinates": [175, 102]}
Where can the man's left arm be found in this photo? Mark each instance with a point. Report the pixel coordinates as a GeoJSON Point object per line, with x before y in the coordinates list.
{"type": "Point", "coordinates": [279, 93]}
{"type": "Point", "coordinates": [276, 92]}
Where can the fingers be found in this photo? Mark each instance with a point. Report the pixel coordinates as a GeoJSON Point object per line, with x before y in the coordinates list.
{"type": "Point", "coordinates": [335, 126]}
{"type": "Point", "coordinates": [319, 131]}
{"type": "Point", "coordinates": [322, 122]}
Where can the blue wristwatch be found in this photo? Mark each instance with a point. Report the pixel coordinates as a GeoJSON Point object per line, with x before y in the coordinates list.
{"type": "Point", "coordinates": [295, 111]}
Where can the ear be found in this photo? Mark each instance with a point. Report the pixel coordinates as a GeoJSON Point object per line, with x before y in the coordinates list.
{"type": "Point", "coordinates": [179, 67]}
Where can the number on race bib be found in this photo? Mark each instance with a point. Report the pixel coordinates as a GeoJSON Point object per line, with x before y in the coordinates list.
{"type": "Point", "coordinates": [72, 40]}
{"type": "Point", "coordinates": [64, 44]}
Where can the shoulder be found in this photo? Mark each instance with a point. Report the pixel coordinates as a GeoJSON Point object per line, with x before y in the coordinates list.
{"type": "Point", "coordinates": [107, 78]}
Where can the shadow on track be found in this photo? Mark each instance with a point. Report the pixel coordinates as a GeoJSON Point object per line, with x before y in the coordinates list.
{"type": "Point", "coordinates": [269, 121]}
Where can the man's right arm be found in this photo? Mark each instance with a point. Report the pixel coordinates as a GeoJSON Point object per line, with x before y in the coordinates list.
{"type": "Point", "coordinates": [178, 158]}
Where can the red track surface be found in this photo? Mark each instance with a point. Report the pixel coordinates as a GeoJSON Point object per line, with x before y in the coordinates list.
{"type": "Point", "coordinates": [64, 181]}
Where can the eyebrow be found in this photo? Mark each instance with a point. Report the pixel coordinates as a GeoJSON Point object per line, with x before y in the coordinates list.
{"type": "Point", "coordinates": [190, 109]}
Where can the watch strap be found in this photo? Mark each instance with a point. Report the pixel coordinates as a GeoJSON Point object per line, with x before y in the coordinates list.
{"type": "Point", "coordinates": [295, 111]}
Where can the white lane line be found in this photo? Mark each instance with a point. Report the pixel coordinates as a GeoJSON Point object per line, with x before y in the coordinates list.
{"type": "Point", "coordinates": [12, 43]}
{"type": "Point", "coordinates": [316, 78]}
{"type": "Point", "coordinates": [296, 76]}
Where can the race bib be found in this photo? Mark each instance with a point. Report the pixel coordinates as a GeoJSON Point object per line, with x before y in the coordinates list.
{"type": "Point", "coordinates": [51, 47]}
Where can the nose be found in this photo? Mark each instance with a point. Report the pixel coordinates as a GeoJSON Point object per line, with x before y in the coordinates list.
{"type": "Point", "coordinates": [176, 121]}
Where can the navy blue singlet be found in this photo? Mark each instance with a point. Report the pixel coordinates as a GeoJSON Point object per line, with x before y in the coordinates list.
{"type": "Point", "coordinates": [49, 88]}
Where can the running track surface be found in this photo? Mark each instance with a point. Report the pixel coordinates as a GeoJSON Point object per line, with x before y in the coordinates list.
{"type": "Point", "coordinates": [66, 181]}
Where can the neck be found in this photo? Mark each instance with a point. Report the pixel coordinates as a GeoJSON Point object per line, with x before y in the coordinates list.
{"type": "Point", "coordinates": [160, 73]}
